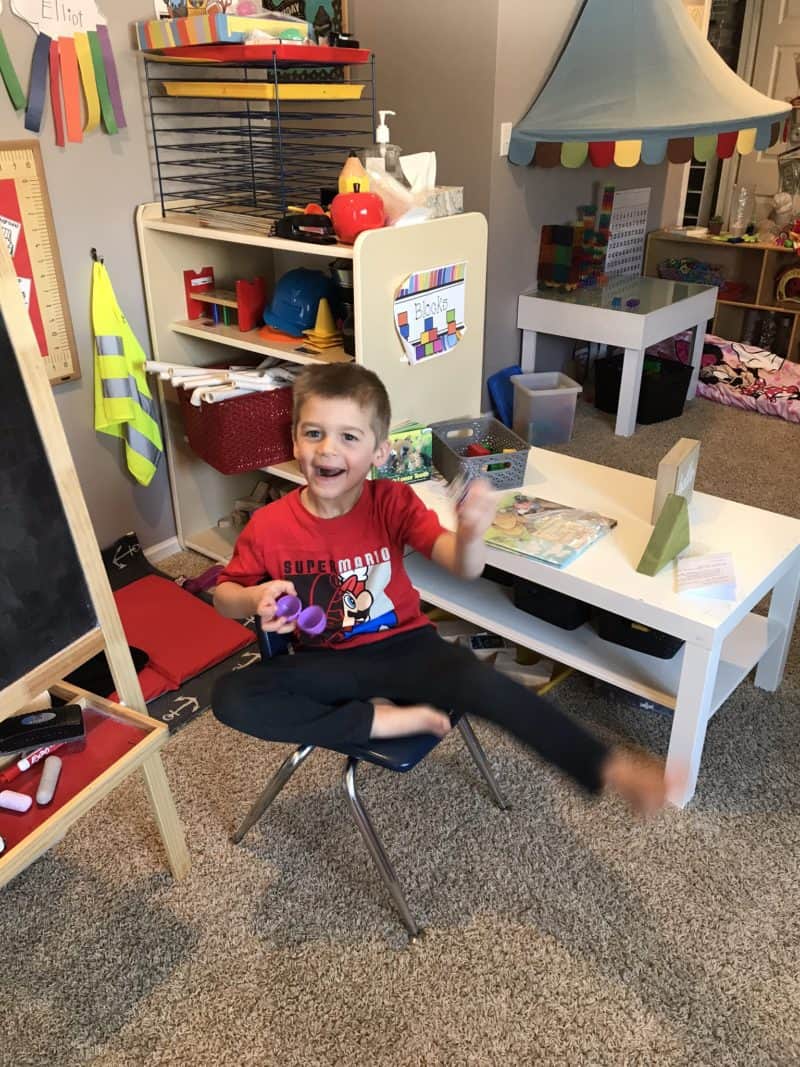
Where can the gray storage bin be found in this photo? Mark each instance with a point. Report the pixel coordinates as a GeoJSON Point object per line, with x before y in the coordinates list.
{"type": "Point", "coordinates": [452, 437]}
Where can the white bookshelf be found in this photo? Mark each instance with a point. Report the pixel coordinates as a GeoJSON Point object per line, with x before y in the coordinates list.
{"type": "Point", "coordinates": [441, 388]}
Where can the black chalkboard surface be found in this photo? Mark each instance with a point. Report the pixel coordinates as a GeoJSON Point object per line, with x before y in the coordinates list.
{"type": "Point", "coordinates": [45, 604]}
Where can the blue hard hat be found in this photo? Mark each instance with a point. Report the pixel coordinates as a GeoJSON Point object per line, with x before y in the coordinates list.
{"type": "Point", "coordinates": [296, 300]}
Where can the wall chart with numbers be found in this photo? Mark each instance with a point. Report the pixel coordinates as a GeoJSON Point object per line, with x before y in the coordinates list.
{"type": "Point", "coordinates": [26, 223]}
{"type": "Point", "coordinates": [625, 252]}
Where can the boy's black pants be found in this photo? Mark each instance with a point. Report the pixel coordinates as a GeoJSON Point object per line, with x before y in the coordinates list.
{"type": "Point", "coordinates": [321, 697]}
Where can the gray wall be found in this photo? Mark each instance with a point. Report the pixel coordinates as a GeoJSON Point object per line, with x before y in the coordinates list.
{"type": "Point", "coordinates": [94, 188]}
{"type": "Point", "coordinates": [454, 77]}
{"type": "Point", "coordinates": [435, 66]}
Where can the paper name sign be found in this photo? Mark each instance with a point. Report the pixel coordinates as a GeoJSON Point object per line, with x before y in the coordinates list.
{"type": "Point", "coordinates": [59, 18]}
{"type": "Point", "coordinates": [711, 576]}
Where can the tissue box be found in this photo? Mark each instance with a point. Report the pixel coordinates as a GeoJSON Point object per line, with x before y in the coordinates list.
{"type": "Point", "coordinates": [154, 34]}
{"type": "Point", "coordinates": [444, 200]}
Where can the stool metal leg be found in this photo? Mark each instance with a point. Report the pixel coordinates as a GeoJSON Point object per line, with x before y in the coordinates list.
{"type": "Point", "coordinates": [376, 849]}
{"type": "Point", "coordinates": [477, 753]}
{"type": "Point", "coordinates": [274, 786]}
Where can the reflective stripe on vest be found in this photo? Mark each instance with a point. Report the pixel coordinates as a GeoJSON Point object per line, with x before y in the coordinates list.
{"type": "Point", "coordinates": [123, 405]}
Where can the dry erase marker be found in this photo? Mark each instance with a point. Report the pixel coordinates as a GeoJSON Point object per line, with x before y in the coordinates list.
{"type": "Point", "coordinates": [10, 773]}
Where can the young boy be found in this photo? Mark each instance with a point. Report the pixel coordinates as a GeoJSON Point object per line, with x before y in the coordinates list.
{"type": "Point", "coordinates": [379, 669]}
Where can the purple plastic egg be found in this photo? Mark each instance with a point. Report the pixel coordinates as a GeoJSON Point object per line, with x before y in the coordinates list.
{"type": "Point", "coordinates": [312, 620]}
{"type": "Point", "coordinates": [288, 607]}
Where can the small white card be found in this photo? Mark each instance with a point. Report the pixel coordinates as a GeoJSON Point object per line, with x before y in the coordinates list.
{"type": "Point", "coordinates": [712, 576]}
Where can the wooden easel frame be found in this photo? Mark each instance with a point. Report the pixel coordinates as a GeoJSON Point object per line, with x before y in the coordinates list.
{"type": "Point", "coordinates": [107, 636]}
{"type": "Point", "coordinates": [32, 145]}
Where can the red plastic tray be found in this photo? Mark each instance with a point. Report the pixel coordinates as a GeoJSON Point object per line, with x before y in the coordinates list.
{"type": "Point", "coordinates": [293, 55]}
{"type": "Point", "coordinates": [106, 740]}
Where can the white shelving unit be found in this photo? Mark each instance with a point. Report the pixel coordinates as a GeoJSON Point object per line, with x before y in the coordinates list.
{"type": "Point", "coordinates": [444, 387]}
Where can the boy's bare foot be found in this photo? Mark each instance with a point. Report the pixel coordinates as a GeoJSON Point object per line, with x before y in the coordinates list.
{"type": "Point", "coordinates": [389, 720]}
{"type": "Point", "coordinates": [637, 778]}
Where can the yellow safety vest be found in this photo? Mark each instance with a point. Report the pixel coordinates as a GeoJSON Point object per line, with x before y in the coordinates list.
{"type": "Point", "coordinates": [123, 404]}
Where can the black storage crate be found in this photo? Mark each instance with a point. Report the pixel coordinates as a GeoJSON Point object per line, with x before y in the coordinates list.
{"type": "Point", "coordinates": [550, 605]}
{"type": "Point", "coordinates": [637, 636]}
{"type": "Point", "coordinates": [662, 394]}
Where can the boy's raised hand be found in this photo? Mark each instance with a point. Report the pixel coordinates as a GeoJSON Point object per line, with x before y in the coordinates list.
{"type": "Point", "coordinates": [266, 606]}
{"type": "Point", "coordinates": [476, 512]}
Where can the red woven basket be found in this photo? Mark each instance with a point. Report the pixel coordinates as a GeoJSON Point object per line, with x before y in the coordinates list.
{"type": "Point", "coordinates": [243, 433]}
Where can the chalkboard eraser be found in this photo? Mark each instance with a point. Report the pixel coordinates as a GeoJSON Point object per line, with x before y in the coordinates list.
{"type": "Point", "coordinates": [41, 727]}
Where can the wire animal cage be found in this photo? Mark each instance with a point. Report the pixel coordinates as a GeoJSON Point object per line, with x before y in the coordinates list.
{"type": "Point", "coordinates": [248, 139]}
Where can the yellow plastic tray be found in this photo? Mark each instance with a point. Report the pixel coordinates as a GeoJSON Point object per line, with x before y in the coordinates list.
{"type": "Point", "coordinates": [265, 90]}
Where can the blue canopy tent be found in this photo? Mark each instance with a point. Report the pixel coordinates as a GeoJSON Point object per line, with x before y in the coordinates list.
{"type": "Point", "coordinates": [637, 81]}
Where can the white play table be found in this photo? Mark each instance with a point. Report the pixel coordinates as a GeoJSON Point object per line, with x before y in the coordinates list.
{"type": "Point", "coordinates": [724, 639]}
{"type": "Point", "coordinates": [665, 308]}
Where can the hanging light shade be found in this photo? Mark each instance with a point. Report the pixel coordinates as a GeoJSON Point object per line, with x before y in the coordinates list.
{"type": "Point", "coordinates": [637, 81]}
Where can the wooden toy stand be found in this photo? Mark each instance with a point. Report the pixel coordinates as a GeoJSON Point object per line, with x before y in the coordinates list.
{"type": "Point", "coordinates": [57, 610]}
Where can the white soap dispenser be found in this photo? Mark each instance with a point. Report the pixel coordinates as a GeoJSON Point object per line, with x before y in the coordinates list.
{"type": "Point", "coordinates": [383, 155]}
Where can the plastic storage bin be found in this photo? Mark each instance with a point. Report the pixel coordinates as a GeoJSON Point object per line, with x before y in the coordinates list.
{"type": "Point", "coordinates": [550, 605]}
{"type": "Point", "coordinates": [637, 636]}
{"type": "Point", "coordinates": [662, 393]}
{"type": "Point", "coordinates": [505, 464]}
{"type": "Point", "coordinates": [544, 407]}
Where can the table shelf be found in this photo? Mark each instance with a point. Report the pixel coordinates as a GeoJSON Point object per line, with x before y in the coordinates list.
{"type": "Point", "coordinates": [488, 605]}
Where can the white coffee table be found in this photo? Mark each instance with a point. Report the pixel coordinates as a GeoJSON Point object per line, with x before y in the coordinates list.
{"type": "Point", "coordinates": [724, 639]}
{"type": "Point", "coordinates": [664, 309]}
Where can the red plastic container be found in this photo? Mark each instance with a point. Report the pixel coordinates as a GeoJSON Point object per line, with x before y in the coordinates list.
{"type": "Point", "coordinates": [243, 433]}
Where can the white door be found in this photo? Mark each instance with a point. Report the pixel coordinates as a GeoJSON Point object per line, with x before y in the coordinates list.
{"type": "Point", "coordinates": [776, 74]}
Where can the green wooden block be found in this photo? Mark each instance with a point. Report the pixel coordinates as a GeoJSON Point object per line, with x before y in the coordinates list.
{"type": "Point", "coordinates": [669, 537]}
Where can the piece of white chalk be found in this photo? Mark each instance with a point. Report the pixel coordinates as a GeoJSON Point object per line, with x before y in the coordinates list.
{"type": "Point", "coordinates": [14, 801]}
{"type": "Point", "coordinates": [48, 781]}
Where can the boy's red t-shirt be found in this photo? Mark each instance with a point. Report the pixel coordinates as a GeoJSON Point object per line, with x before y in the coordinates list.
{"type": "Point", "coordinates": [351, 566]}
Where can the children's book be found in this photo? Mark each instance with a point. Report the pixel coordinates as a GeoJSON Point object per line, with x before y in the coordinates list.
{"type": "Point", "coordinates": [410, 457]}
{"type": "Point", "coordinates": [545, 530]}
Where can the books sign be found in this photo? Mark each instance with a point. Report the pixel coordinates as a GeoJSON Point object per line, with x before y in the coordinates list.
{"type": "Point", "coordinates": [429, 311]}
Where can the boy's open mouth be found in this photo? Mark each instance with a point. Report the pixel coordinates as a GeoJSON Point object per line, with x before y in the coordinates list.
{"type": "Point", "coordinates": [329, 472]}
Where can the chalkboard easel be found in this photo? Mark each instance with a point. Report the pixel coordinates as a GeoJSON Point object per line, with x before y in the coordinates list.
{"type": "Point", "coordinates": [56, 605]}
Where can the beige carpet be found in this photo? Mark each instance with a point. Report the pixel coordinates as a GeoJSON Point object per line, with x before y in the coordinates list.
{"type": "Point", "coordinates": [562, 932]}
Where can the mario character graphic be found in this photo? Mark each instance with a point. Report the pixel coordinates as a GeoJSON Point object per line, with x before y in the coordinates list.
{"type": "Point", "coordinates": [355, 602]}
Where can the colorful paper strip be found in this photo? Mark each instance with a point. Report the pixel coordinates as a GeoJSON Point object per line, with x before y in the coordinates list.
{"type": "Point", "coordinates": [38, 83]}
{"type": "Point", "coordinates": [86, 66]}
{"type": "Point", "coordinates": [111, 74]}
{"type": "Point", "coordinates": [106, 107]}
{"type": "Point", "coordinates": [10, 79]}
{"type": "Point", "coordinates": [55, 95]}
{"type": "Point", "coordinates": [71, 85]}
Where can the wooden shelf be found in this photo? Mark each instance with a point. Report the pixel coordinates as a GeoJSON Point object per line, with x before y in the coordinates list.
{"type": "Point", "coordinates": [755, 265]}
{"type": "Point", "coordinates": [785, 308]}
{"type": "Point", "coordinates": [190, 226]}
{"type": "Point", "coordinates": [290, 472]}
{"type": "Point", "coordinates": [251, 342]}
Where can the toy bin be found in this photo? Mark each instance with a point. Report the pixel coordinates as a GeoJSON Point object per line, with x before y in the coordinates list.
{"type": "Point", "coordinates": [662, 393]}
{"type": "Point", "coordinates": [504, 462]}
{"type": "Point", "coordinates": [636, 635]}
{"type": "Point", "coordinates": [544, 407]}
{"type": "Point", "coordinates": [243, 433]}
{"type": "Point", "coordinates": [559, 609]}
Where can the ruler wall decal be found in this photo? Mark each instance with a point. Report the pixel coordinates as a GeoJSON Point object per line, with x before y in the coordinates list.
{"type": "Point", "coordinates": [26, 223]}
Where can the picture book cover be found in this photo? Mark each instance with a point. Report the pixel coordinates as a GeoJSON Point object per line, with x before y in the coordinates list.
{"type": "Point", "coordinates": [410, 457]}
{"type": "Point", "coordinates": [545, 530]}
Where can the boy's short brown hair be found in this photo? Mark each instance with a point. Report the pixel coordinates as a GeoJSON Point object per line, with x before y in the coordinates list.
{"type": "Point", "coordinates": [349, 381]}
